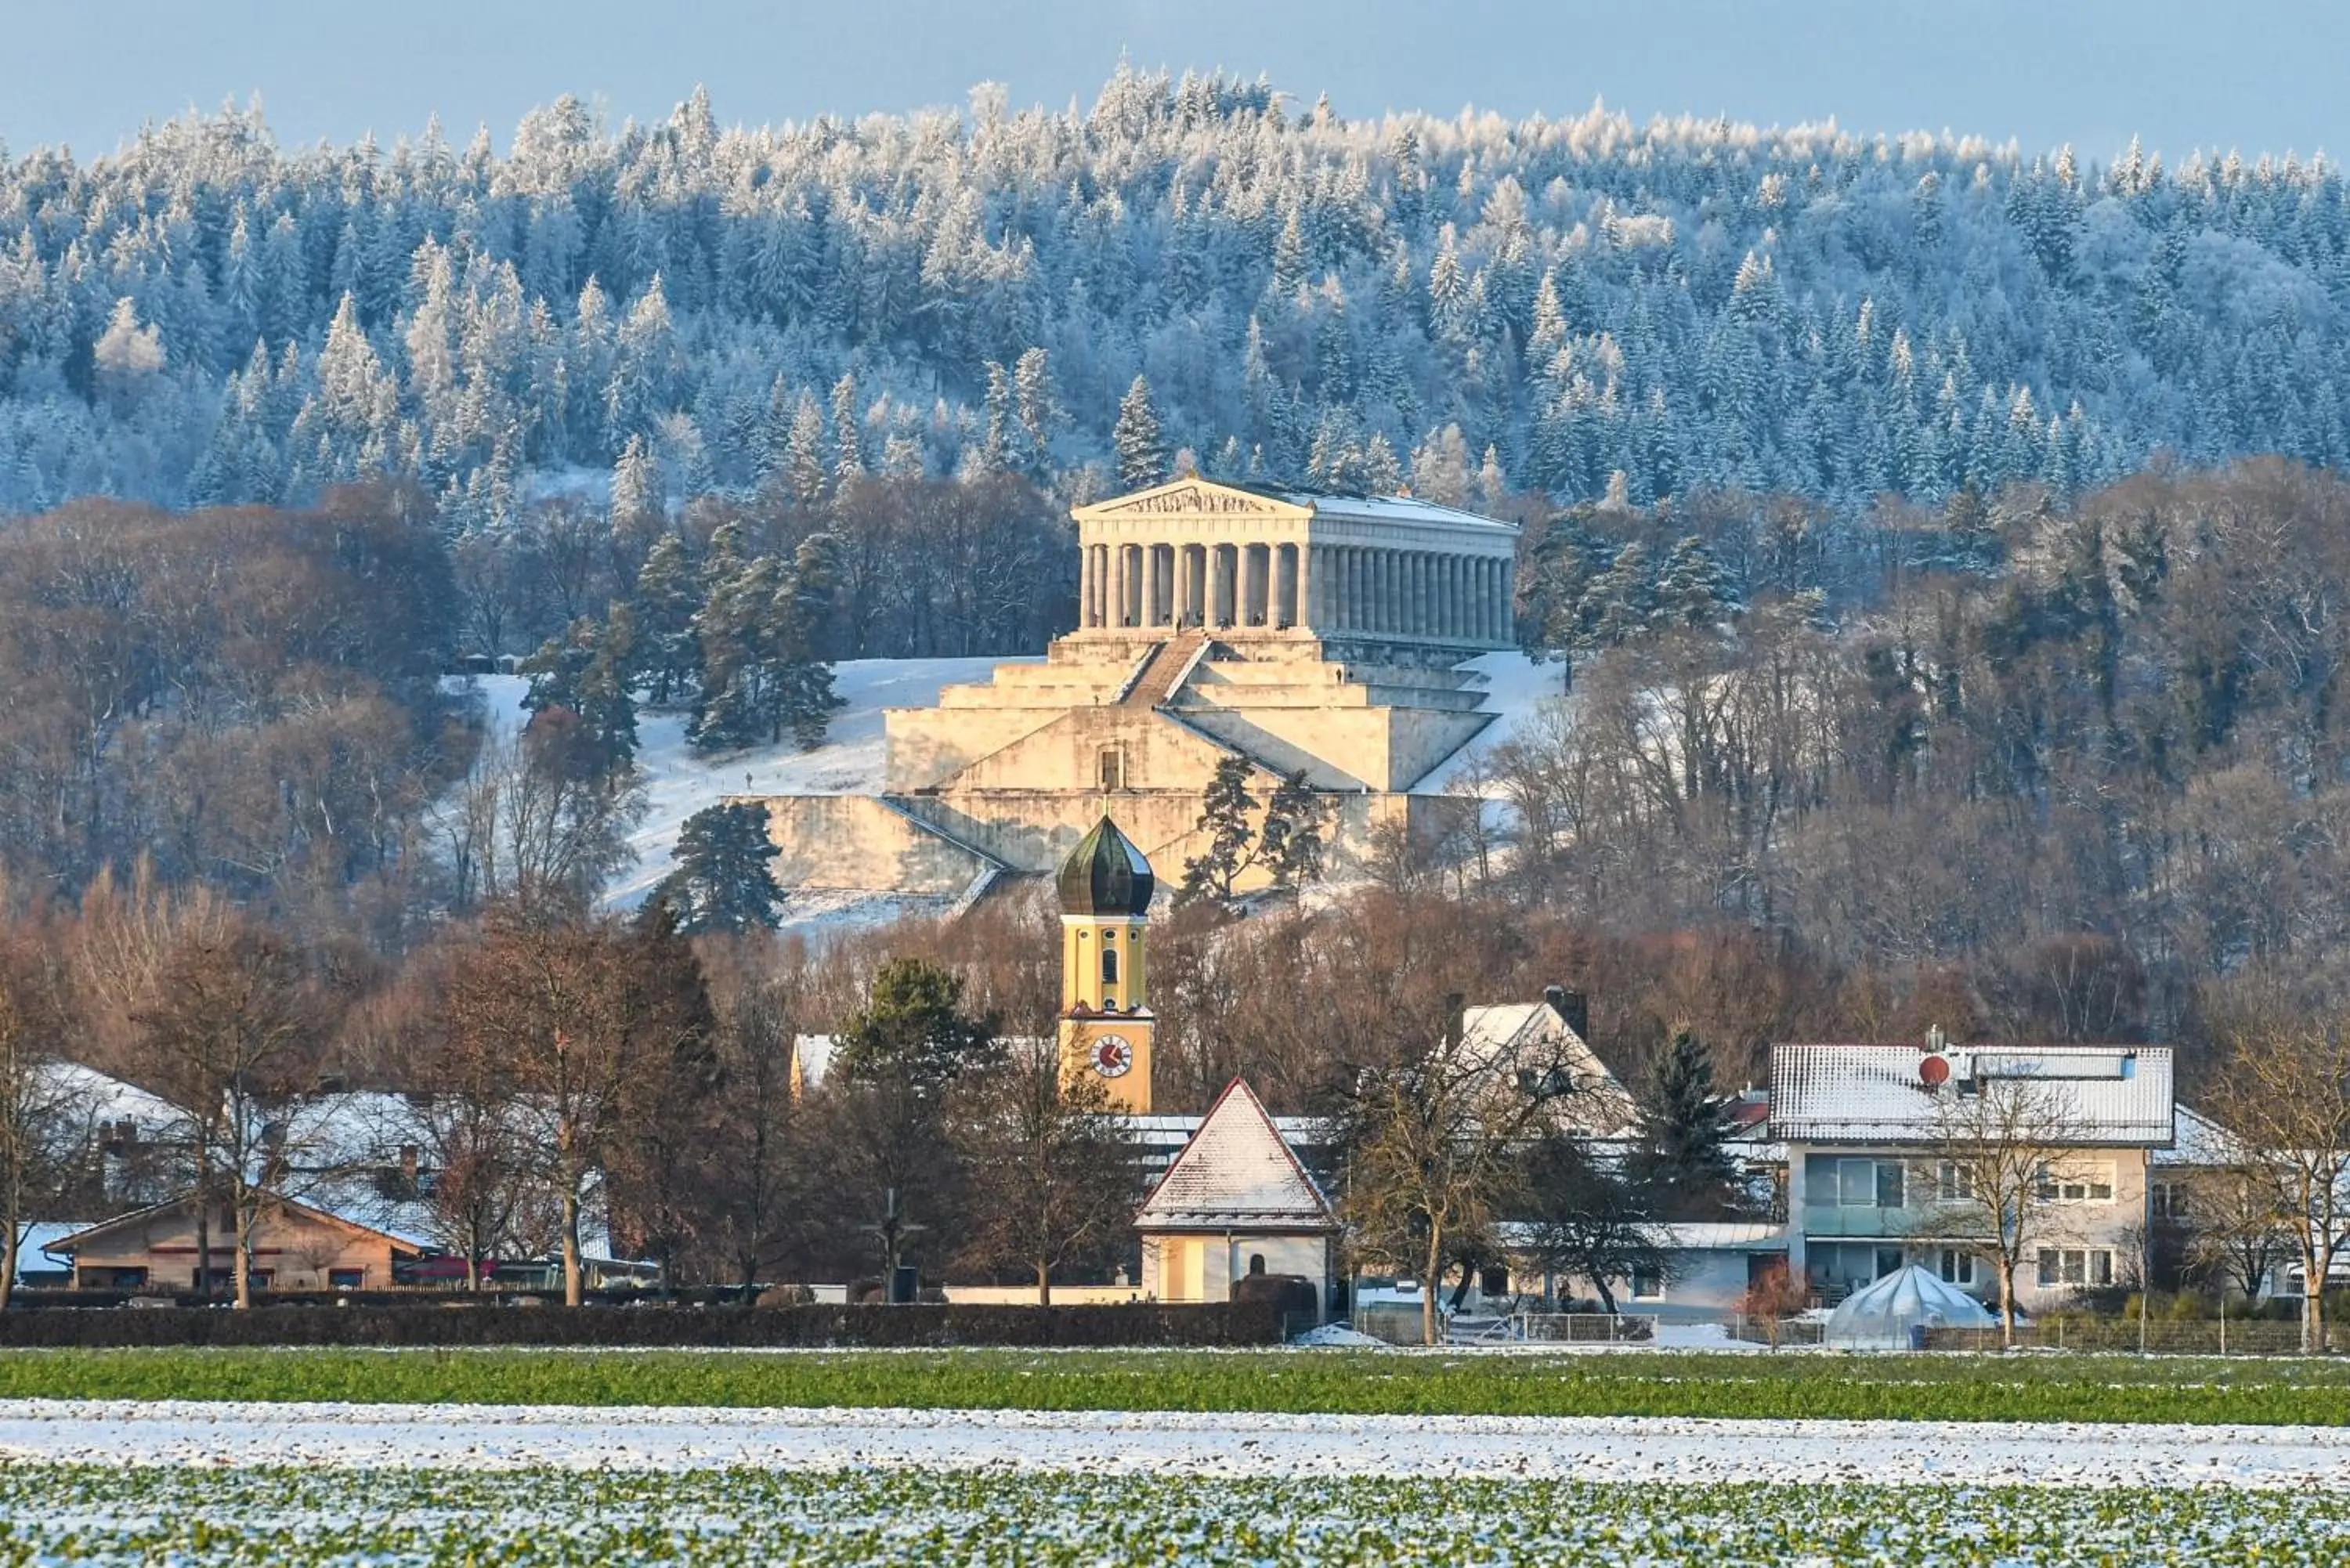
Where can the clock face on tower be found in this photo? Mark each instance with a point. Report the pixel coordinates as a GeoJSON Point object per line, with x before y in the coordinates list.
{"type": "Point", "coordinates": [1112, 1057]}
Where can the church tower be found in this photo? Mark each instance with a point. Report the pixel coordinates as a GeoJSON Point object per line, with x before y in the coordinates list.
{"type": "Point", "coordinates": [1106, 1022]}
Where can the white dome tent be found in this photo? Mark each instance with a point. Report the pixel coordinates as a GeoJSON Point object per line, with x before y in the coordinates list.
{"type": "Point", "coordinates": [1879, 1317]}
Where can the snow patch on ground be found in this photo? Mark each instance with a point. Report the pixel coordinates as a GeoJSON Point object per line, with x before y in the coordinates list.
{"type": "Point", "coordinates": [1338, 1334]}
{"type": "Point", "coordinates": [1521, 694]}
{"type": "Point", "coordinates": [1635, 1449]}
{"type": "Point", "coordinates": [677, 783]}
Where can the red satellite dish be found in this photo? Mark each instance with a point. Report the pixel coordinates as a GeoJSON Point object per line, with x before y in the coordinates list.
{"type": "Point", "coordinates": [1934, 1071]}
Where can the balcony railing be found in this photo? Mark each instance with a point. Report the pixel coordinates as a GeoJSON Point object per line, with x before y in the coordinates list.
{"type": "Point", "coordinates": [1862, 1224]}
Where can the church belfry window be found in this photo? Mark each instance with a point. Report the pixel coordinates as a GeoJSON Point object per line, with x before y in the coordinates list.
{"type": "Point", "coordinates": [1110, 958]}
{"type": "Point", "coordinates": [1112, 763]}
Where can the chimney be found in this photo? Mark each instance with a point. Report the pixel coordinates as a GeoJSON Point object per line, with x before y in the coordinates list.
{"type": "Point", "coordinates": [1572, 1007]}
{"type": "Point", "coordinates": [1456, 1009]}
{"type": "Point", "coordinates": [408, 1162]}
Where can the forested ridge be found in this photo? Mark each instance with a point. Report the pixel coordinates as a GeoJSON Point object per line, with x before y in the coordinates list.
{"type": "Point", "coordinates": [1937, 644]}
{"type": "Point", "coordinates": [208, 317]}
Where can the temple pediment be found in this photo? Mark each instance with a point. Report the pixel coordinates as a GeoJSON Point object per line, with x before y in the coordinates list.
{"type": "Point", "coordinates": [1195, 497]}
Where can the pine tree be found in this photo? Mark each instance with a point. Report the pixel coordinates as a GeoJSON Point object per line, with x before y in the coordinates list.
{"type": "Point", "coordinates": [803, 452]}
{"type": "Point", "coordinates": [1285, 844]}
{"type": "Point", "coordinates": [1681, 1155]}
{"type": "Point", "coordinates": [1141, 453]}
{"type": "Point", "coordinates": [723, 882]}
{"type": "Point", "coordinates": [668, 655]}
{"type": "Point", "coordinates": [1692, 590]}
{"type": "Point", "coordinates": [805, 700]}
{"type": "Point", "coordinates": [584, 672]}
{"type": "Point", "coordinates": [850, 448]}
{"type": "Point", "coordinates": [914, 1030]}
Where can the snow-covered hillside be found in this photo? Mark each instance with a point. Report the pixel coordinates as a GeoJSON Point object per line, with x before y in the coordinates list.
{"type": "Point", "coordinates": [851, 761]}
{"type": "Point", "coordinates": [677, 783]}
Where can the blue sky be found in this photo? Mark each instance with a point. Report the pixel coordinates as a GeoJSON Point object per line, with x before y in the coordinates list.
{"type": "Point", "coordinates": [2255, 75]}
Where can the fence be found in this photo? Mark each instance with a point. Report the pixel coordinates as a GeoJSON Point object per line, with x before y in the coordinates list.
{"type": "Point", "coordinates": [1585, 1328]}
{"type": "Point", "coordinates": [1397, 1323]}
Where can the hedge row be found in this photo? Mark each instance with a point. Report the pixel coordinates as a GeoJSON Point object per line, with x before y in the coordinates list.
{"type": "Point", "coordinates": [1134, 1323]}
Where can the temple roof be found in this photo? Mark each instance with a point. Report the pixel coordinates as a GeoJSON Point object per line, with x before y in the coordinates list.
{"type": "Point", "coordinates": [1106, 876]}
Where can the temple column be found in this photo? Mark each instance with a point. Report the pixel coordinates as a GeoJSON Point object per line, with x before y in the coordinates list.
{"type": "Point", "coordinates": [1414, 604]}
{"type": "Point", "coordinates": [1309, 614]}
{"type": "Point", "coordinates": [1390, 582]}
{"type": "Point", "coordinates": [1084, 587]}
{"type": "Point", "coordinates": [1350, 589]}
{"type": "Point", "coordinates": [1455, 579]}
{"type": "Point", "coordinates": [1154, 585]}
{"type": "Point", "coordinates": [1220, 584]}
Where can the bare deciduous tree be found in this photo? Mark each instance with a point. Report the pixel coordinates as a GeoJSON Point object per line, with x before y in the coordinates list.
{"type": "Point", "coordinates": [1053, 1173]}
{"type": "Point", "coordinates": [2281, 1095]}
{"type": "Point", "coordinates": [233, 1035]}
{"type": "Point", "coordinates": [1432, 1140]}
{"type": "Point", "coordinates": [2005, 1144]}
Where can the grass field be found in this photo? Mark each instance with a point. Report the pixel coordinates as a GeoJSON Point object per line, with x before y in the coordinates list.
{"type": "Point", "coordinates": [1919, 1387]}
{"type": "Point", "coordinates": [202, 1518]}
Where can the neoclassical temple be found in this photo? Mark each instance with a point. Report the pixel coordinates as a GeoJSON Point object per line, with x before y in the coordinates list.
{"type": "Point", "coordinates": [1307, 634]}
{"type": "Point", "coordinates": [1228, 559]}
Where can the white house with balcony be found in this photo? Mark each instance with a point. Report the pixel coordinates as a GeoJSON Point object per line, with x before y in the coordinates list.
{"type": "Point", "coordinates": [1867, 1131]}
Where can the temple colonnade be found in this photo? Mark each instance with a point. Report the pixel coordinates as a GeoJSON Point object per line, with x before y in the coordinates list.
{"type": "Point", "coordinates": [1331, 589]}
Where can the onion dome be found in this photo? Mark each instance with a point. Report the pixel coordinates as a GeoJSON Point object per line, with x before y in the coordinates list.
{"type": "Point", "coordinates": [1105, 876]}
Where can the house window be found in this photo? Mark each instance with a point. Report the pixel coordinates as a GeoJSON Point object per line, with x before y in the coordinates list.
{"type": "Point", "coordinates": [1647, 1286]}
{"type": "Point", "coordinates": [1112, 763]}
{"type": "Point", "coordinates": [1868, 1183]}
{"type": "Point", "coordinates": [1857, 1184]}
{"type": "Point", "coordinates": [2167, 1200]}
{"type": "Point", "coordinates": [1954, 1183]}
{"type": "Point", "coordinates": [1957, 1268]}
{"type": "Point", "coordinates": [1493, 1281]}
{"type": "Point", "coordinates": [258, 1279]}
{"type": "Point", "coordinates": [2087, 1266]}
{"type": "Point", "coordinates": [346, 1279]}
{"type": "Point", "coordinates": [2078, 1184]}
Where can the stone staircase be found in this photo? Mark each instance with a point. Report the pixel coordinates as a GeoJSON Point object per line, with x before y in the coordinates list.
{"type": "Point", "coordinates": [1169, 663]}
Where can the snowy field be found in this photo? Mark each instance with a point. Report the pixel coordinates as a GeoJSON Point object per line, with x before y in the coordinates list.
{"type": "Point", "coordinates": [1681, 1451]}
{"type": "Point", "coordinates": [288, 1516]}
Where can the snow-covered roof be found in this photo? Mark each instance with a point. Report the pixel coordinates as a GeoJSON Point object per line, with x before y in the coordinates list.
{"type": "Point", "coordinates": [101, 1098]}
{"type": "Point", "coordinates": [2198, 1140]}
{"type": "Point", "coordinates": [1532, 1036]}
{"type": "Point", "coordinates": [1386, 509]}
{"type": "Point", "coordinates": [1237, 1173]}
{"type": "Point", "coordinates": [2103, 1094]}
{"type": "Point", "coordinates": [1724, 1235]}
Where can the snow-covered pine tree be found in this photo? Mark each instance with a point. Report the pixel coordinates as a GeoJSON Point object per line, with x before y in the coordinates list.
{"type": "Point", "coordinates": [1141, 451]}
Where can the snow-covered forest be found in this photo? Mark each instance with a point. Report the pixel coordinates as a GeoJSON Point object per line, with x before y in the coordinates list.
{"type": "Point", "coordinates": [1457, 304]}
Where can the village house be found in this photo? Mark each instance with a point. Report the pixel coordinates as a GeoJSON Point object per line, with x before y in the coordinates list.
{"type": "Point", "coordinates": [1872, 1188]}
{"type": "Point", "coordinates": [1237, 1202]}
{"type": "Point", "coordinates": [296, 1247]}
